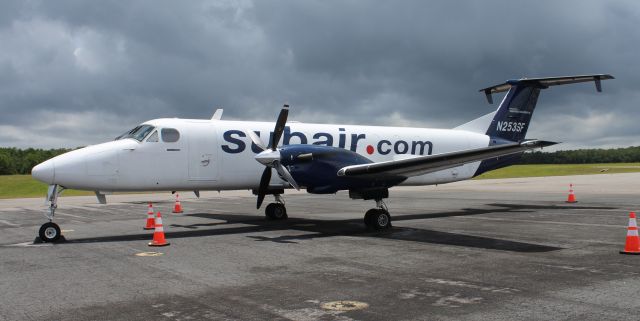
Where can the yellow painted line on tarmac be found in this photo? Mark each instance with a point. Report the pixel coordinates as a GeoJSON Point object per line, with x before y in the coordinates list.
{"type": "Point", "coordinates": [145, 254]}
{"type": "Point", "coordinates": [344, 305]}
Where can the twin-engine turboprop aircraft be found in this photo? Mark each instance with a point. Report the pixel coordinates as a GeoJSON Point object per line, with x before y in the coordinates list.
{"type": "Point", "coordinates": [195, 155]}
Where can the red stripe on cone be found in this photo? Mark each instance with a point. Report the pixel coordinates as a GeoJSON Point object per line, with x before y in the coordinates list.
{"type": "Point", "coordinates": [158, 234]}
{"type": "Point", "coordinates": [178, 207]}
{"type": "Point", "coordinates": [632, 243]}
{"type": "Point", "coordinates": [151, 222]}
{"type": "Point", "coordinates": [572, 197]}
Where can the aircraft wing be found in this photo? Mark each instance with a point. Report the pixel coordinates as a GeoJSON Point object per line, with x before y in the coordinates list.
{"type": "Point", "coordinates": [432, 163]}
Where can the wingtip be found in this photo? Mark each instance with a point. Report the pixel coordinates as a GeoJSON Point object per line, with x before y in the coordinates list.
{"type": "Point", "coordinates": [537, 143]}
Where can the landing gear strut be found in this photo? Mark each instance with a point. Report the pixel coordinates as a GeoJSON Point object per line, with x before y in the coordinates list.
{"type": "Point", "coordinates": [378, 218]}
{"type": "Point", "coordinates": [50, 232]}
{"type": "Point", "coordinates": [276, 211]}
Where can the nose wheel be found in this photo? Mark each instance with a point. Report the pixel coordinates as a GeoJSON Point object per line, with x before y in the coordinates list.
{"type": "Point", "coordinates": [49, 232]}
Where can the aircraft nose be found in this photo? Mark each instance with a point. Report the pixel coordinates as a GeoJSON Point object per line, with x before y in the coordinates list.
{"type": "Point", "coordinates": [44, 172]}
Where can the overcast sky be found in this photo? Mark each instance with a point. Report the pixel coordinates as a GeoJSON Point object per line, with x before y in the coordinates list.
{"type": "Point", "coordinates": [74, 73]}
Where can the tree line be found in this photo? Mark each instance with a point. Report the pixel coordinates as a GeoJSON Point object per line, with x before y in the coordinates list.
{"type": "Point", "coordinates": [584, 156]}
{"type": "Point", "coordinates": [21, 161]}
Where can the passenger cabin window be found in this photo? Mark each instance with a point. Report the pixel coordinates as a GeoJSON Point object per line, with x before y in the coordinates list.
{"type": "Point", "coordinates": [138, 133]}
{"type": "Point", "coordinates": [153, 138]}
{"type": "Point", "coordinates": [170, 135]}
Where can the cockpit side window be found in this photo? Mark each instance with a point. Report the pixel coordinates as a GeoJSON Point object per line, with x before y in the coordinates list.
{"type": "Point", "coordinates": [170, 135]}
{"type": "Point", "coordinates": [138, 133]}
{"type": "Point", "coordinates": [153, 138]}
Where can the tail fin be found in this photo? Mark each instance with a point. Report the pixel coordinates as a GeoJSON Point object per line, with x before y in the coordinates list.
{"type": "Point", "coordinates": [512, 118]}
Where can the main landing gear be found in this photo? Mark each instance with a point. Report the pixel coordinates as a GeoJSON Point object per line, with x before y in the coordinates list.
{"type": "Point", "coordinates": [378, 218]}
{"type": "Point", "coordinates": [276, 211]}
{"type": "Point", "coordinates": [50, 231]}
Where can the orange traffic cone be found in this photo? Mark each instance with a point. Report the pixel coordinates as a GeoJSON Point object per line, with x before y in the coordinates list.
{"type": "Point", "coordinates": [572, 196]}
{"type": "Point", "coordinates": [151, 222]}
{"type": "Point", "coordinates": [632, 245]}
{"type": "Point", "coordinates": [158, 234]}
{"type": "Point", "coordinates": [178, 207]}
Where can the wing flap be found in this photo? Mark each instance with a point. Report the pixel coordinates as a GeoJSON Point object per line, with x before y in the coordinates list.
{"type": "Point", "coordinates": [432, 163]}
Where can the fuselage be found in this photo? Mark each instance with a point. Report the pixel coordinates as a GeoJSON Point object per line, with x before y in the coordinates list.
{"type": "Point", "coordinates": [189, 154]}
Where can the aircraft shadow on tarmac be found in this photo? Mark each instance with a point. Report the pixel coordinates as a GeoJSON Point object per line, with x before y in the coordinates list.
{"type": "Point", "coordinates": [349, 227]}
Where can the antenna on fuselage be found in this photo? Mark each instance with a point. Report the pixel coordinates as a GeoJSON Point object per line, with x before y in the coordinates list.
{"type": "Point", "coordinates": [218, 114]}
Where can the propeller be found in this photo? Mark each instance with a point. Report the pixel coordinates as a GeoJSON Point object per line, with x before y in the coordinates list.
{"type": "Point", "coordinates": [270, 156]}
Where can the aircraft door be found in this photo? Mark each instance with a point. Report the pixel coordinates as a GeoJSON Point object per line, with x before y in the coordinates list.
{"type": "Point", "coordinates": [203, 158]}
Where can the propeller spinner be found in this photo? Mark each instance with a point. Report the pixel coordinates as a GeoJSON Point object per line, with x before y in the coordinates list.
{"type": "Point", "coordinates": [270, 156]}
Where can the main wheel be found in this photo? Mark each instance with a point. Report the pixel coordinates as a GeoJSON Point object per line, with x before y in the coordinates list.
{"type": "Point", "coordinates": [49, 232]}
{"type": "Point", "coordinates": [381, 220]}
{"type": "Point", "coordinates": [368, 222]}
{"type": "Point", "coordinates": [276, 211]}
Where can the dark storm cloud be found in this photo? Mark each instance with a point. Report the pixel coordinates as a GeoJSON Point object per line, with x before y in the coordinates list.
{"type": "Point", "coordinates": [78, 72]}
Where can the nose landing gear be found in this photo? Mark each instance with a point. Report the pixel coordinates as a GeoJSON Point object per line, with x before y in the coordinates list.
{"type": "Point", "coordinates": [50, 231]}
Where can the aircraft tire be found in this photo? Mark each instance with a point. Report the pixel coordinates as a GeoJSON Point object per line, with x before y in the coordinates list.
{"type": "Point", "coordinates": [49, 232]}
{"type": "Point", "coordinates": [276, 211]}
{"type": "Point", "coordinates": [368, 222]}
{"type": "Point", "coordinates": [381, 220]}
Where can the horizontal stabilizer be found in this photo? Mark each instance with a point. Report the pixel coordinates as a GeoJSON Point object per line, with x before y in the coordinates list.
{"type": "Point", "coordinates": [544, 83]}
{"type": "Point", "coordinates": [432, 163]}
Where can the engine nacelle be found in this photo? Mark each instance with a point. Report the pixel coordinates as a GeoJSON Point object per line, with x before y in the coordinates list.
{"type": "Point", "coordinates": [315, 168]}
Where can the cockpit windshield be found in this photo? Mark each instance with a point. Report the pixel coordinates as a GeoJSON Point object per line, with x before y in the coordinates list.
{"type": "Point", "coordinates": [138, 133]}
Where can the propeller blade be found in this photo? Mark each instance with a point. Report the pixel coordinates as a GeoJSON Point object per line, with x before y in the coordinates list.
{"type": "Point", "coordinates": [285, 173]}
{"type": "Point", "coordinates": [255, 139]}
{"type": "Point", "coordinates": [264, 185]}
{"type": "Point", "coordinates": [280, 123]}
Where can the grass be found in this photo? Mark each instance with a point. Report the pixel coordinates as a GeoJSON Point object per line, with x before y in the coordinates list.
{"type": "Point", "coordinates": [561, 170]}
{"type": "Point", "coordinates": [17, 186]}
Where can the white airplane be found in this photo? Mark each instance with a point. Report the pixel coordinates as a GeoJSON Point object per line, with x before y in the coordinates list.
{"type": "Point", "coordinates": [194, 155]}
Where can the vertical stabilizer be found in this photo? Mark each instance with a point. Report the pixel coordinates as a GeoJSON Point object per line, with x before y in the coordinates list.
{"type": "Point", "coordinates": [513, 117]}
{"type": "Point", "coordinates": [511, 120]}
